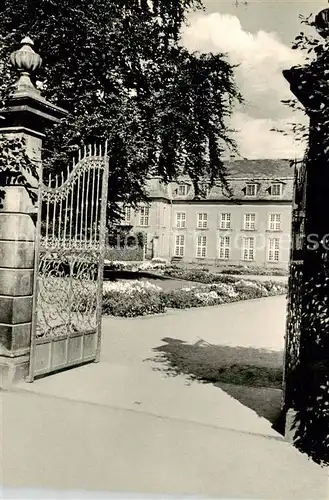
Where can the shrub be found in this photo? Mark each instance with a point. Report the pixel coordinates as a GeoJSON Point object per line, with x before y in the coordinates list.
{"type": "Point", "coordinates": [135, 304]}
{"type": "Point", "coordinates": [275, 288]}
{"type": "Point", "coordinates": [131, 298]}
{"type": "Point", "coordinates": [124, 253]}
{"type": "Point", "coordinates": [180, 299]}
{"type": "Point", "coordinates": [158, 260]}
{"type": "Point", "coordinates": [197, 275]}
{"type": "Point", "coordinates": [246, 292]}
{"type": "Point", "coordinates": [189, 274]}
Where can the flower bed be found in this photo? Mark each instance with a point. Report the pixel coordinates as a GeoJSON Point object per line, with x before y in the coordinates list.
{"type": "Point", "coordinates": [190, 272]}
{"type": "Point", "coordinates": [157, 265]}
{"type": "Point", "coordinates": [253, 270]}
{"type": "Point", "coordinates": [197, 275]}
{"type": "Point", "coordinates": [139, 298]}
{"type": "Point", "coordinates": [131, 298]}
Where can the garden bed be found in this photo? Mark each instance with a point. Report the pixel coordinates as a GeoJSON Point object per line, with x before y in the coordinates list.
{"type": "Point", "coordinates": [126, 296]}
{"type": "Point", "coordinates": [140, 297]}
{"type": "Point", "coordinates": [236, 269]}
{"type": "Point", "coordinates": [188, 272]}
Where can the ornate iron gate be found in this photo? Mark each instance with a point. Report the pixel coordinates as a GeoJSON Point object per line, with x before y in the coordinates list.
{"type": "Point", "coordinates": [69, 262]}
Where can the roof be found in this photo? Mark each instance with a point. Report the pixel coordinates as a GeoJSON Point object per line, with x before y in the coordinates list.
{"type": "Point", "coordinates": [240, 172]}
{"type": "Point", "coordinates": [268, 169]}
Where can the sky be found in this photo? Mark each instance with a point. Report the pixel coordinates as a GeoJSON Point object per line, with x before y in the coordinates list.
{"type": "Point", "coordinates": [258, 36]}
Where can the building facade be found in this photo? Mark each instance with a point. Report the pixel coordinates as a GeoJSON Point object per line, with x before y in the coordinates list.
{"type": "Point", "coordinates": [250, 225]}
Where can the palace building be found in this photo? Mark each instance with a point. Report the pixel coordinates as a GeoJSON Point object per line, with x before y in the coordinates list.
{"type": "Point", "coordinates": [252, 226]}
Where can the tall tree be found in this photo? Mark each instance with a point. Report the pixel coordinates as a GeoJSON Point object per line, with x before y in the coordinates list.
{"type": "Point", "coordinates": [120, 69]}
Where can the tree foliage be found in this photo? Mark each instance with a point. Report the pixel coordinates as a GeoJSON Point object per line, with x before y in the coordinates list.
{"type": "Point", "coordinates": [14, 165]}
{"type": "Point", "coordinates": [120, 69]}
{"type": "Point", "coordinates": [316, 55]}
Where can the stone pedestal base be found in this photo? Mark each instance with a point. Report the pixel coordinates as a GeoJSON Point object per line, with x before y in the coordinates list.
{"type": "Point", "coordinates": [13, 370]}
{"type": "Point", "coordinates": [17, 247]}
{"type": "Point", "coordinates": [290, 426]}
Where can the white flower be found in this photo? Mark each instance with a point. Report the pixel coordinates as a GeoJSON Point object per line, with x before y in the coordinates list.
{"type": "Point", "coordinates": [144, 266]}
{"type": "Point", "coordinates": [158, 260]}
{"type": "Point", "coordinates": [251, 284]}
{"type": "Point", "coordinates": [151, 265]}
{"type": "Point", "coordinates": [207, 297]}
{"type": "Point", "coordinates": [130, 286]}
{"type": "Point", "coordinates": [225, 289]}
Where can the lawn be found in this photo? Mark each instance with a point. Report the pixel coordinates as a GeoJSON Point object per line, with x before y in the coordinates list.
{"type": "Point", "coordinates": [166, 283]}
{"type": "Point", "coordinates": [252, 376]}
{"type": "Point", "coordinates": [171, 284]}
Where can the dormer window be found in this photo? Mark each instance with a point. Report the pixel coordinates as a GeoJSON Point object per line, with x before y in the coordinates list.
{"type": "Point", "coordinates": [182, 190]}
{"type": "Point", "coordinates": [205, 189]}
{"type": "Point", "coordinates": [276, 189]}
{"type": "Point", "coordinates": [251, 190]}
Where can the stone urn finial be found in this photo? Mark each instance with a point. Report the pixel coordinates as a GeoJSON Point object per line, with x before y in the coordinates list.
{"type": "Point", "coordinates": [26, 61]}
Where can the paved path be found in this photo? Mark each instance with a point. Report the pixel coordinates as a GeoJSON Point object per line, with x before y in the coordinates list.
{"type": "Point", "coordinates": [120, 425]}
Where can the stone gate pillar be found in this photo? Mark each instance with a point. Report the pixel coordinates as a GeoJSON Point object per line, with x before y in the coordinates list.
{"type": "Point", "coordinates": [306, 391]}
{"type": "Point", "coordinates": [26, 116]}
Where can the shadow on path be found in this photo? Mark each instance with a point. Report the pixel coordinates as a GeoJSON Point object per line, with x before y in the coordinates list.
{"type": "Point", "coordinates": [252, 376]}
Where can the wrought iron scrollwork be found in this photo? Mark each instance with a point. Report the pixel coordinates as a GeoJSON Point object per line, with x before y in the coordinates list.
{"type": "Point", "coordinates": [70, 249]}
{"type": "Point", "coordinates": [67, 292]}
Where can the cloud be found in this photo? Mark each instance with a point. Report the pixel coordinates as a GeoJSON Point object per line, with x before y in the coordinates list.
{"type": "Point", "coordinates": [261, 57]}
{"type": "Point", "coordinates": [257, 139]}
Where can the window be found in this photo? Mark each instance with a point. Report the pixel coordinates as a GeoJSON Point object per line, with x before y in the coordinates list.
{"type": "Point", "coordinates": [274, 250]}
{"type": "Point", "coordinates": [205, 189]}
{"type": "Point", "coordinates": [224, 247]}
{"type": "Point", "coordinates": [180, 220]}
{"type": "Point", "coordinates": [144, 216]}
{"type": "Point", "coordinates": [249, 222]}
{"type": "Point", "coordinates": [225, 221]}
{"type": "Point", "coordinates": [146, 245]}
{"type": "Point", "coordinates": [127, 215]}
{"type": "Point", "coordinates": [276, 189]}
{"type": "Point", "coordinates": [182, 189]}
{"type": "Point", "coordinates": [274, 222]}
{"type": "Point", "coordinates": [180, 245]}
{"type": "Point", "coordinates": [201, 247]}
{"type": "Point", "coordinates": [251, 190]}
{"type": "Point", "coordinates": [202, 221]}
{"type": "Point", "coordinates": [248, 249]}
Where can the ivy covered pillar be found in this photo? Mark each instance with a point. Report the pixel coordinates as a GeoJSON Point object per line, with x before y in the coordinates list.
{"type": "Point", "coordinates": [306, 388]}
{"type": "Point", "coordinates": [22, 127]}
